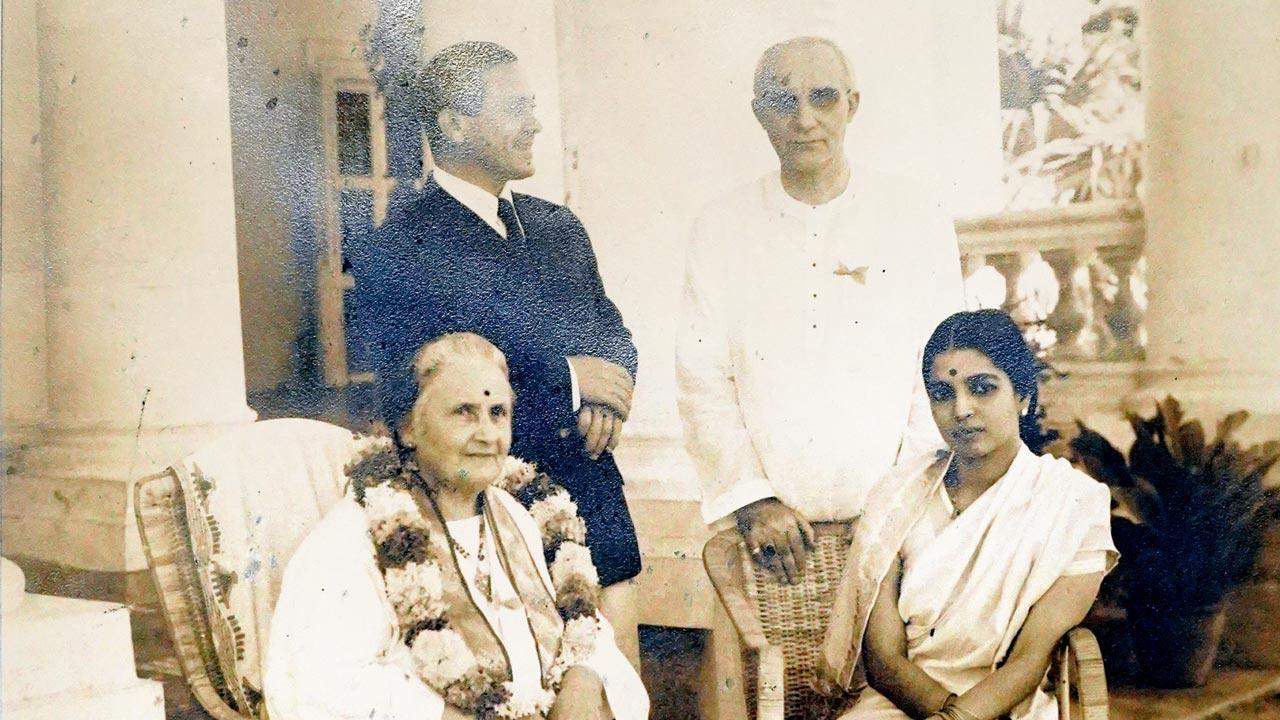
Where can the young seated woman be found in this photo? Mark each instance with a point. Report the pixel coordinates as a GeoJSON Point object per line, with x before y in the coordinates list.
{"type": "Point", "coordinates": [971, 564]}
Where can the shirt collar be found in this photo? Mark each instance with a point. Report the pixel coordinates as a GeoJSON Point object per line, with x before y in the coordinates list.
{"type": "Point", "coordinates": [475, 198]}
{"type": "Point", "coordinates": [777, 197]}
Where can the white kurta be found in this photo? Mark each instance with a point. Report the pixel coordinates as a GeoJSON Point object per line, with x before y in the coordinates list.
{"type": "Point", "coordinates": [798, 355]}
{"type": "Point", "coordinates": [969, 583]}
{"type": "Point", "coordinates": [335, 651]}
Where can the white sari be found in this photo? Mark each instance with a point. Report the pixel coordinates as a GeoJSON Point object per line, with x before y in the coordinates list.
{"type": "Point", "coordinates": [969, 583]}
{"type": "Point", "coordinates": [336, 650]}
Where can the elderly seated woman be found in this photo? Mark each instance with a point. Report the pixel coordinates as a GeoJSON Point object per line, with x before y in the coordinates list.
{"type": "Point", "coordinates": [969, 565]}
{"type": "Point", "coordinates": [424, 593]}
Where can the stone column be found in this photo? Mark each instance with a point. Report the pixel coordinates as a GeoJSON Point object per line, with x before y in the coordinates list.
{"type": "Point", "coordinates": [145, 354]}
{"type": "Point", "coordinates": [1213, 203]}
{"type": "Point", "coordinates": [1213, 241]}
{"type": "Point", "coordinates": [22, 327]}
{"type": "Point", "coordinates": [529, 30]}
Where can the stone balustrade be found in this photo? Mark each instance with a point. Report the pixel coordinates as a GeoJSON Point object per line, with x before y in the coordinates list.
{"type": "Point", "coordinates": [1075, 276]}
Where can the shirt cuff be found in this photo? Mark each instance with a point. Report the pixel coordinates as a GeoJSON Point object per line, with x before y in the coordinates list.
{"type": "Point", "coordinates": [573, 387]}
{"type": "Point", "coordinates": [739, 495]}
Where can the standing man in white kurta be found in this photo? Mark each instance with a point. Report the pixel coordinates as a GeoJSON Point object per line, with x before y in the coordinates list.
{"type": "Point", "coordinates": [808, 297]}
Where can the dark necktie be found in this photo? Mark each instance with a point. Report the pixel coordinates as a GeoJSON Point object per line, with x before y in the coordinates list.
{"type": "Point", "coordinates": [507, 214]}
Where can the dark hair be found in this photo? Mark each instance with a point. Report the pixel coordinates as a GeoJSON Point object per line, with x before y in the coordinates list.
{"type": "Point", "coordinates": [994, 334]}
{"type": "Point", "coordinates": [455, 79]}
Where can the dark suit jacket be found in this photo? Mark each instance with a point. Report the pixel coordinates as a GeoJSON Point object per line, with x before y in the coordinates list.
{"type": "Point", "coordinates": [434, 267]}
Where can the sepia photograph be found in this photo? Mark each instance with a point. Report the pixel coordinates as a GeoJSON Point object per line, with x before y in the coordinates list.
{"type": "Point", "coordinates": [617, 360]}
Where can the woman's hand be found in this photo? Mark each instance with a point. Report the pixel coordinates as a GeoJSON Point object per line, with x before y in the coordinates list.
{"type": "Point", "coordinates": [1061, 608]}
{"type": "Point", "coordinates": [884, 655]}
{"type": "Point", "coordinates": [581, 696]}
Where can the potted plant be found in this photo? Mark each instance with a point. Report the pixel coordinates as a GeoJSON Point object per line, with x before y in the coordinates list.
{"type": "Point", "coordinates": [1188, 520]}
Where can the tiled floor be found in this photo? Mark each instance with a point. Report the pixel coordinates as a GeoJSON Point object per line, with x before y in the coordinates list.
{"type": "Point", "coordinates": [672, 657]}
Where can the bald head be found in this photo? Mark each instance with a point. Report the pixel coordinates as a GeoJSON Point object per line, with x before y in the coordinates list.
{"type": "Point", "coordinates": [804, 99]}
{"type": "Point", "coordinates": [773, 68]}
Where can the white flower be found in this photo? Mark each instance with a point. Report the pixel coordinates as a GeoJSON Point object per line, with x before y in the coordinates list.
{"type": "Point", "coordinates": [366, 446]}
{"type": "Point", "coordinates": [579, 639]}
{"type": "Point", "coordinates": [557, 504]}
{"type": "Point", "coordinates": [573, 529]}
{"type": "Point", "coordinates": [557, 518]}
{"type": "Point", "coordinates": [516, 473]}
{"type": "Point", "coordinates": [573, 559]}
{"type": "Point", "coordinates": [442, 657]}
{"type": "Point", "coordinates": [389, 508]}
{"type": "Point", "coordinates": [525, 702]}
{"type": "Point", "coordinates": [416, 592]}
{"type": "Point", "coordinates": [383, 502]}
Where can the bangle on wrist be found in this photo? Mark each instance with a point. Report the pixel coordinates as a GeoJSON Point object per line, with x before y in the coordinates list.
{"type": "Point", "coordinates": [951, 711]}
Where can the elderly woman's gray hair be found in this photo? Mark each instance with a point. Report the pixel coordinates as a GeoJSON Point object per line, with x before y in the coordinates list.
{"type": "Point", "coordinates": [452, 347]}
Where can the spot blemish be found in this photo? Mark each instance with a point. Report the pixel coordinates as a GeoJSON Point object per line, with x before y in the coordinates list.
{"type": "Point", "coordinates": [251, 570]}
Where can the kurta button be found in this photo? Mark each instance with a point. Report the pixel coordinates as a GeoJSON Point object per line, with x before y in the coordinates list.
{"type": "Point", "coordinates": [564, 433]}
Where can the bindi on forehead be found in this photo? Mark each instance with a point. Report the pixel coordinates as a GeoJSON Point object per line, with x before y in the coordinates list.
{"type": "Point", "coordinates": [487, 393]}
{"type": "Point", "coordinates": [953, 372]}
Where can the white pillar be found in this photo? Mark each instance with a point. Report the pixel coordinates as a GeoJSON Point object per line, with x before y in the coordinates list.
{"type": "Point", "coordinates": [145, 354]}
{"type": "Point", "coordinates": [529, 30]}
{"type": "Point", "coordinates": [1213, 202]}
{"type": "Point", "coordinates": [22, 327]}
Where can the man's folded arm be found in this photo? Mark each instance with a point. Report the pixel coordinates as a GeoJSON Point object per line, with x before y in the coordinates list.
{"type": "Point", "coordinates": [544, 388]}
{"type": "Point", "coordinates": [604, 334]}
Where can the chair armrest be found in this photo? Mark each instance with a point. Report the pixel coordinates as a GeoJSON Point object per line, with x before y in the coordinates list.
{"type": "Point", "coordinates": [1091, 684]}
{"type": "Point", "coordinates": [163, 545]}
{"type": "Point", "coordinates": [771, 684]}
{"type": "Point", "coordinates": [722, 558]}
{"type": "Point", "coordinates": [1078, 662]}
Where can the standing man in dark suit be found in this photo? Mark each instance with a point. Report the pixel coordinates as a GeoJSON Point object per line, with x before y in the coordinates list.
{"type": "Point", "coordinates": [467, 254]}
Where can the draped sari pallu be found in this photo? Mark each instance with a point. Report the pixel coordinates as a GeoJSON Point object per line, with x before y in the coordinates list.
{"type": "Point", "coordinates": [465, 615]}
{"type": "Point", "coordinates": [965, 595]}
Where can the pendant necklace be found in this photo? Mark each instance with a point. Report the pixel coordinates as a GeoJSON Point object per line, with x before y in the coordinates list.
{"type": "Point", "coordinates": [483, 578]}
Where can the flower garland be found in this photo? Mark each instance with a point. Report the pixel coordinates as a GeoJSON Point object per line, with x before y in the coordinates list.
{"type": "Point", "coordinates": [414, 582]}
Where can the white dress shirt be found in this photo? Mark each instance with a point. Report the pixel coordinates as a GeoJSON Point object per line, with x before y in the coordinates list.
{"type": "Point", "coordinates": [336, 653]}
{"type": "Point", "coordinates": [798, 351]}
{"type": "Point", "coordinates": [485, 205]}
{"type": "Point", "coordinates": [476, 199]}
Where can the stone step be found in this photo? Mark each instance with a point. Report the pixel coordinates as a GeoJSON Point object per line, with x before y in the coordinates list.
{"type": "Point", "coordinates": [136, 700]}
{"type": "Point", "coordinates": [53, 645]}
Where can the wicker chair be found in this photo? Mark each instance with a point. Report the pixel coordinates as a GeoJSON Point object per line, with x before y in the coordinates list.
{"type": "Point", "coordinates": [780, 630]}
{"type": "Point", "coordinates": [218, 528]}
{"type": "Point", "coordinates": [162, 518]}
